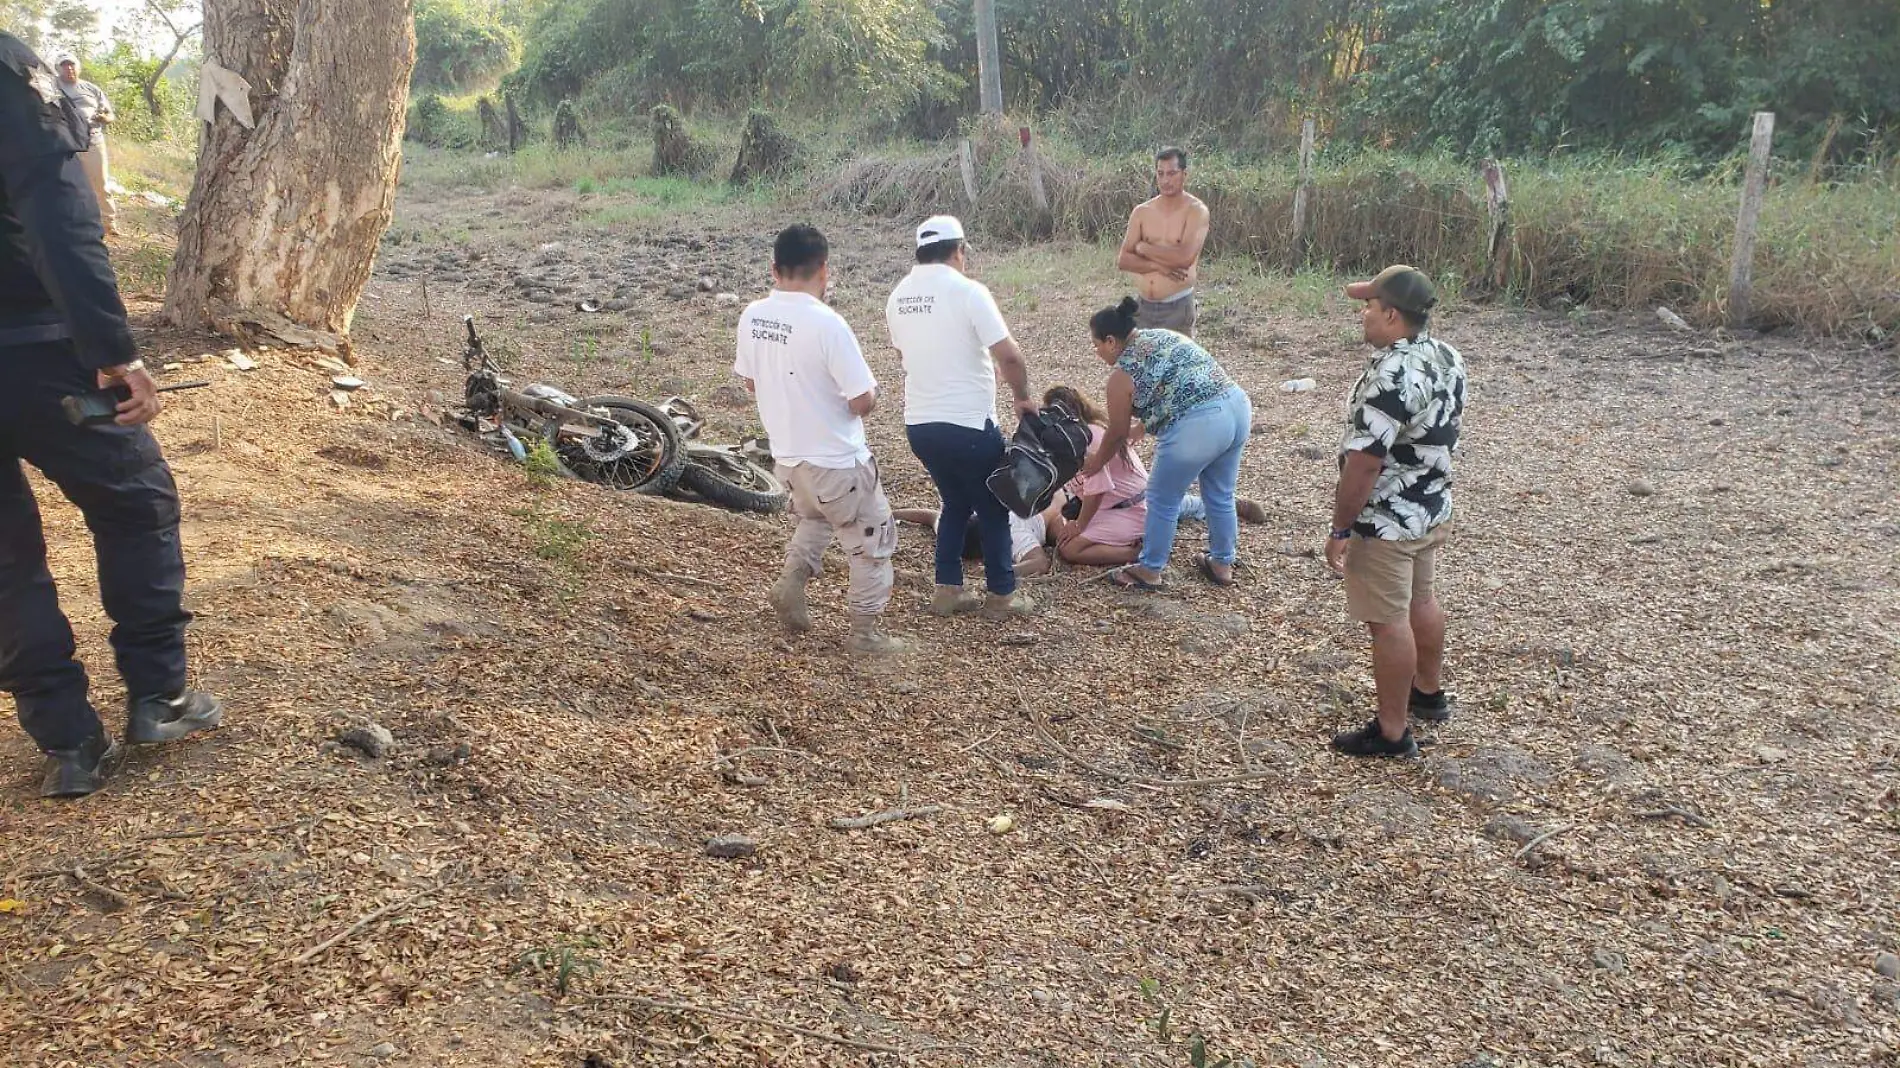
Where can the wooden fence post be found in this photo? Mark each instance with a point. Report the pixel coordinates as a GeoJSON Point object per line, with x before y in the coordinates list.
{"type": "Point", "coordinates": [1036, 188]}
{"type": "Point", "coordinates": [966, 161]}
{"type": "Point", "coordinates": [517, 133]}
{"type": "Point", "coordinates": [1497, 199]}
{"type": "Point", "coordinates": [1741, 281]}
{"type": "Point", "coordinates": [1302, 194]}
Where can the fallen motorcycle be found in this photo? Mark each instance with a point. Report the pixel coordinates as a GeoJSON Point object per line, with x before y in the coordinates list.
{"type": "Point", "coordinates": [608, 440]}
{"type": "Point", "coordinates": [736, 476]}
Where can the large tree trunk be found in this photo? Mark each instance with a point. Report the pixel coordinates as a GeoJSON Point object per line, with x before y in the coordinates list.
{"type": "Point", "coordinates": [284, 219]}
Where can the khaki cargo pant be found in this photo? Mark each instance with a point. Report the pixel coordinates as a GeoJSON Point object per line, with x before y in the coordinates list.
{"type": "Point", "coordinates": [848, 504]}
{"type": "Point", "coordinates": [94, 162]}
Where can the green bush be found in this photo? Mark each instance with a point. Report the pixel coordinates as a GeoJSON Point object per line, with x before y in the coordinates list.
{"type": "Point", "coordinates": [868, 58]}
{"type": "Point", "coordinates": [434, 123]}
{"type": "Point", "coordinates": [461, 45]}
{"type": "Point", "coordinates": [122, 73]}
{"type": "Point", "coordinates": [1604, 232]}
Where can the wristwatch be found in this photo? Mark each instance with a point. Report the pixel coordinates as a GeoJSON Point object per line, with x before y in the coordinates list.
{"type": "Point", "coordinates": [1340, 535]}
{"type": "Point", "coordinates": [123, 369]}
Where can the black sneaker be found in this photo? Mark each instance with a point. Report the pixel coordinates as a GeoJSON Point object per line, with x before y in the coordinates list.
{"type": "Point", "coordinates": [80, 770]}
{"type": "Point", "coordinates": [1431, 707]}
{"type": "Point", "coordinates": [1369, 741]}
{"type": "Point", "coordinates": [166, 719]}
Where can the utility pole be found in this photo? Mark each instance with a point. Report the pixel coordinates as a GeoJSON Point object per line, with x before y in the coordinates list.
{"type": "Point", "coordinates": [989, 58]}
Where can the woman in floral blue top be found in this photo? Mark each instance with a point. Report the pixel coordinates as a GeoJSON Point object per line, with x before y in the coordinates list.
{"type": "Point", "coordinates": [1200, 421]}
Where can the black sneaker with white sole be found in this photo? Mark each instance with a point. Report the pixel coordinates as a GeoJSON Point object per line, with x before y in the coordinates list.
{"type": "Point", "coordinates": [1370, 741]}
{"type": "Point", "coordinates": [1431, 707]}
{"type": "Point", "coordinates": [159, 718]}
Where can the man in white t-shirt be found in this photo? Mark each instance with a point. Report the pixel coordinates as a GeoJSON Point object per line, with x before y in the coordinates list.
{"type": "Point", "coordinates": [952, 338]}
{"type": "Point", "coordinates": [802, 362]}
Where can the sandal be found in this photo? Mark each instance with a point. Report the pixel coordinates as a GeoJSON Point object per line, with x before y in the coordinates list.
{"type": "Point", "coordinates": [1124, 578]}
{"type": "Point", "coordinates": [1205, 564]}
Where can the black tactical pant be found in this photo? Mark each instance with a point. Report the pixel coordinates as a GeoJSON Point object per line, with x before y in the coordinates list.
{"type": "Point", "coordinates": [121, 484]}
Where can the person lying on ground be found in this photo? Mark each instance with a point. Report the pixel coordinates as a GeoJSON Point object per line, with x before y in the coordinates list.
{"type": "Point", "coordinates": [1031, 540]}
{"type": "Point", "coordinates": [1114, 502]}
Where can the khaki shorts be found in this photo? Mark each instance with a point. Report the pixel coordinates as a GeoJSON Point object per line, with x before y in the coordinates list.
{"type": "Point", "coordinates": [1177, 315]}
{"type": "Point", "coordinates": [1383, 578]}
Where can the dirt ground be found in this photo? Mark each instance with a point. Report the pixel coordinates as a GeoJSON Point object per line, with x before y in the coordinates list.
{"type": "Point", "coordinates": [1663, 829]}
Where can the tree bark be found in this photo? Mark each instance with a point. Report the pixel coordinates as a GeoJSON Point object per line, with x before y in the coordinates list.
{"type": "Point", "coordinates": [284, 219]}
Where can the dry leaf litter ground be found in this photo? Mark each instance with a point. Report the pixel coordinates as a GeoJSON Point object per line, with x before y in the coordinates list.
{"type": "Point", "coordinates": [1662, 829]}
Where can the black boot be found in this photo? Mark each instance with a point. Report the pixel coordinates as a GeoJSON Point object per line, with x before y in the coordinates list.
{"type": "Point", "coordinates": [166, 719]}
{"type": "Point", "coordinates": [80, 770]}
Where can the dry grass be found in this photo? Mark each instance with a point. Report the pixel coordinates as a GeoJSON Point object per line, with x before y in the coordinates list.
{"type": "Point", "coordinates": [1620, 236]}
{"type": "Point", "coordinates": [1602, 234]}
{"type": "Point", "coordinates": [570, 676]}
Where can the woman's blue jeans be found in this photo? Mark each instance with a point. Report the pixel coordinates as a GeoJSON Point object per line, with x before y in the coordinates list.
{"type": "Point", "coordinates": [1205, 444]}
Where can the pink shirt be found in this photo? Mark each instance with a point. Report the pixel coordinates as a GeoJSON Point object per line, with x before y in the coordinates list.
{"type": "Point", "coordinates": [1121, 478]}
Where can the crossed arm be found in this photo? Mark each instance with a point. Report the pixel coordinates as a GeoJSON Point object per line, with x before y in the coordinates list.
{"type": "Point", "coordinates": [1141, 256]}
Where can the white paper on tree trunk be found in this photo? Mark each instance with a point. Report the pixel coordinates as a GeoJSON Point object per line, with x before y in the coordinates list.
{"type": "Point", "coordinates": [216, 83]}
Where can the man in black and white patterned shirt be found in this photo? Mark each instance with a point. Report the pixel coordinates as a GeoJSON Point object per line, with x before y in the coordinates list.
{"type": "Point", "coordinates": [1392, 508]}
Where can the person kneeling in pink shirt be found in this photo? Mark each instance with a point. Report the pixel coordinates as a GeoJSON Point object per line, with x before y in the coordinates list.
{"type": "Point", "coordinates": [1108, 531]}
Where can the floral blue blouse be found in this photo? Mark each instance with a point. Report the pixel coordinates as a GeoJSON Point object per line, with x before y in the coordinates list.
{"type": "Point", "coordinates": [1172, 376]}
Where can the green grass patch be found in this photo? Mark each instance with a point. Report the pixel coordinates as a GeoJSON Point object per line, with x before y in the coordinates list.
{"type": "Point", "coordinates": [164, 167]}
{"type": "Point", "coordinates": [143, 267]}
{"type": "Point", "coordinates": [556, 540]}
{"type": "Point", "coordinates": [634, 202]}
{"type": "Point", "coordinates": [1606, 232]}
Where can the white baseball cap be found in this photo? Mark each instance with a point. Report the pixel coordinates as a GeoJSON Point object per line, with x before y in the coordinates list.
{"type": "Point", "coordinates": [65, 58]}
{"type": "Point", "coordinates": [939, 228]}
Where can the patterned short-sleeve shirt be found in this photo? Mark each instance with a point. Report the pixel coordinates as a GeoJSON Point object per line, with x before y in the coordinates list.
{"type": "Point", "coordinates": [1406, 410]}
{"type": "Point", "coordinates": [1172, 376]}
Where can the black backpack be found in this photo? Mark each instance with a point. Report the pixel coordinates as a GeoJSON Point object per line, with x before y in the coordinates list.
{"type": "Point", "coordinates": [1046, 452]}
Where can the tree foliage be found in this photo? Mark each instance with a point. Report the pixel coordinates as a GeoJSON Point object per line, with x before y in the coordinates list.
{"type": "Point", "coordinates": [1478, 76]}
{"type": "Point", "coordinates": [128, 75]}
{"type": "Point", "coordinates": [49, 24]}
{"type": "Point", "coordinates": [868, 57]}
{"type": "Point", "coordinates": [463, 44]}
{"type": "Point", "coordinates": [1512, 75]}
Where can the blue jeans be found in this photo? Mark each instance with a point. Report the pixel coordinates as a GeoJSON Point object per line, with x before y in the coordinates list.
{"type": "Point", "coordinates": [1204, 443]}
{"type": "Point", "coordinates": [959, 459]}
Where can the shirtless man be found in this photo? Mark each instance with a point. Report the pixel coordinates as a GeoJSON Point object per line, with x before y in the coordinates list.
{"type": "Point", "coordinates": [1163, 248]}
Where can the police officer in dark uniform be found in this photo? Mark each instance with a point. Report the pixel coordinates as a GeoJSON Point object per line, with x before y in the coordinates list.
{"type": "Point", "coordinates": [63, 331]}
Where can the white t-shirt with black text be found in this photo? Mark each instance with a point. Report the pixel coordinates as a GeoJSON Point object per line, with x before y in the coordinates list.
{"type": "Point", "coordinates": [943, 323]}
{"type": "Point", "coordinates": [805, 364]}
